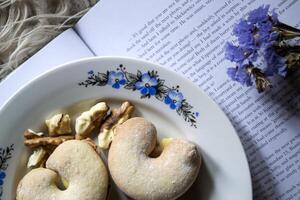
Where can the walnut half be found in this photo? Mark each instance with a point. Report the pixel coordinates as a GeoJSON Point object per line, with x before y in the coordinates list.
{"type": "Point", "coordinates": [89, 120]}
{"type": "Point", "coordinates": [47, 141]}
{"type": "Point", "coordinates": [37, 158]}
{"type": "Point", "coordinates": [30, 134]}
{"type": "Point", "coordinates": [118, 116]}
{"type": "Point", "coordinates": [59, 124]}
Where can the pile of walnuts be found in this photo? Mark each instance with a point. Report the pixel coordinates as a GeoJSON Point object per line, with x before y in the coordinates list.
{"type": "Point", "coordinates": [98, 116]}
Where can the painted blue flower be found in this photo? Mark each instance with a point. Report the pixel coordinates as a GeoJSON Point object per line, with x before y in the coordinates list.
{"type": "Point", "coordinates": [116, 79]}
{"type": "Point", "coordinates": [147, 85]}
{"type": "Point", "coordinates": [240, 75]}
{"type": "Point", "coordinates": [2, 176]}
{"type": "Point", "coordinates": [174, 99]}
{"type": "Point", "coordinates": [90, 72]}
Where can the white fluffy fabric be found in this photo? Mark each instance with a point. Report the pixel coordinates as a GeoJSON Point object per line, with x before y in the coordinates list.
{"type": "Point", "coordinates": [27, 25]}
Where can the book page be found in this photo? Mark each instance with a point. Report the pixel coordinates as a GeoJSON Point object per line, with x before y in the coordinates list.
{"type": "Point", "coordinates": [188, 37]}
{"type": "Point", "coordinates": [64, 48]}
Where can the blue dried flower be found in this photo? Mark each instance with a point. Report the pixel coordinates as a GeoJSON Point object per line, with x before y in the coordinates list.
{"type": "Point", "coordinates": [240, 75]}
{"type": "Point", "coordinates": [274, 17]}
{"type": "Point", "coordinates": [242, 27]}
{"type": "Point", "coordinates": [233, 53]}
{"type": "Point", "coordinates": [265, 34]}
{"type": "Point", "coordinates": [273, 36]}
{"type": "Point", "coordinates": [251, 54]}
{"type": "Point", "coordinates": [259, 15]}
{"type": "Point", "coordinates": [261, 34]}
{"type": "Point", "coordinates": [244, 32]}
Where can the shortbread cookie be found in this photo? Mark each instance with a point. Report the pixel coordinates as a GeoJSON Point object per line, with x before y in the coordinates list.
{"type": "Point", "coordinates": [78, 165]}
{"type": "Point", "coordinates": [144, 178]}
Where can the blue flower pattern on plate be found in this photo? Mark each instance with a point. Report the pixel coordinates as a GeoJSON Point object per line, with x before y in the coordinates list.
{"type": "Point", "coordinates": [5, 155]}
{"type": "Point", "coordinates": [91, 72]}
{"type": "Point", "coordinates": [174, 99]}
{"type": "Point", "coordinates": [116, 79]}
{"type": "Point", "coordinates": [147, 85]}
{"type": "Point", "coordinates": [2, 176]}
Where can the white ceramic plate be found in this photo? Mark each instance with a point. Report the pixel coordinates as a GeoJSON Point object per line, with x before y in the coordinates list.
{"type": "Point", "coordinates": [75, 86]}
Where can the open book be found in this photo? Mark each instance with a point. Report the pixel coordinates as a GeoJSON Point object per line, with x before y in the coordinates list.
{"type": "Point", "coordinates": [188, 36]}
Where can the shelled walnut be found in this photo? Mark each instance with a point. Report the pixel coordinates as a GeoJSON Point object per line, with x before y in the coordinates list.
{"type": "Point", "coordinates": [30, 134]}
{"type": "Point", "coordinates": [89, 120]}
{"type": "Point", "coordinates": [118, 116]}
{"type": "Point", "coordinates": [47, 141]}
{"type": "Point", "coordinates": [59, 124]}
{"type": "Point", "coordinates": [42, 146]}
{"type": "Point", "coordinates": [37, 158]}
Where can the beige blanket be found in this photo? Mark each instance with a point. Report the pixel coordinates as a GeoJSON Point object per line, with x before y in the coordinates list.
{"type": "Point", "coordinates": [27, 25]}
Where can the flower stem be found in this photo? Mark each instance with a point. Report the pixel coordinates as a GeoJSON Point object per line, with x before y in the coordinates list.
{"type": "Point", "coordinates": [261, 81]}
{"type": "Point", "coordinates": [284, 49]}
{"type": "Point", "coordinates": [286, 31]}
